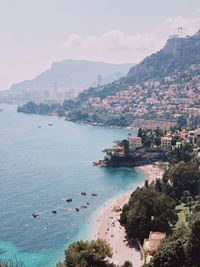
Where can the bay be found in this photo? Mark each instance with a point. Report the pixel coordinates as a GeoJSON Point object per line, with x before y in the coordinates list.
{"type": "Point", "coordinates": [39, 167]}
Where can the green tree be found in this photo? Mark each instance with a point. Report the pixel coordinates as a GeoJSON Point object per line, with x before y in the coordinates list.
{"type": "Point", "coordinates": [157, 141]}
{"type": "Point", "coordinates": [193, 245]}
{"type": "Point", "coordinates": [148, 210]}
{"type": "Point", "coordinates": [88, 254]}
{"type": "Point", "coordinates": [183, 177]}
{"type": "Point", "coordinates": [10, 263]}
{"type": "Point", "coordinates": [125, 144]}
{"type": "Point", "coordinates": [127, 264]}
{"type": "Point", "coordinates": [172, 251]}
{"type": "Point", "coordinates": [181, 122]}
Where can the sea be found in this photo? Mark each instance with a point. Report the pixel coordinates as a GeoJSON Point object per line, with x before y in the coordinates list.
{"type": "Point", "coordinates": [40, 166]}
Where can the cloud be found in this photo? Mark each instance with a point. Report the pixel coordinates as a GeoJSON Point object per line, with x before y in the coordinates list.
{"type": "Point", "coordinates": [190, 26]}
{"type": "Point", "coordinates": [117, 46]}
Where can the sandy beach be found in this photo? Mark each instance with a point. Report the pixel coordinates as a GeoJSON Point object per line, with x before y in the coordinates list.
{"type": "Point", "coordinates": [108, 227]}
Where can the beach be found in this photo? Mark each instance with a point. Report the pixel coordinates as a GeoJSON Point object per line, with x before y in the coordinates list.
{"type": "Point", "coordinates": [107, 225]}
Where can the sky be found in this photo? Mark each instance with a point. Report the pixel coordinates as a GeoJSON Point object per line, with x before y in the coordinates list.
{"type": "Point", "coordinates": [36, 33]}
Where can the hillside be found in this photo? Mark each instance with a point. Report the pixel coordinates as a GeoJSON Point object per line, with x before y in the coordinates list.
{"type": "Point", "coordinates": [177, 55]}
{"type": "Point", "coordinates": [73, 74]}
{"type": "Point", "coordinates": [162, 90]}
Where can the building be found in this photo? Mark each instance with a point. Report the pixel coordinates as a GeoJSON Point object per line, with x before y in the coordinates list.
{"type": "Point", "coordinates": [151, 245]}
{"type": "Point", "coordinates": [166, 142]}
{"type": "Point", "coordinates": [135, 142]}
{"type": "Point", "coordinates": [192, 137]}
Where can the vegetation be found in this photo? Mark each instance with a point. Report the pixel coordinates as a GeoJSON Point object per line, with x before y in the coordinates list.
{"type": "Point", "coordinates": [127, 264]}
{"type": "Point", "coordinates": [87, 254]}
{"type": "Point", "coordinates": [182, 153]}
{"type": "Point", "coordinates": [42, 109]}
{"type": "Point", "coordinates": [148, 210]}
{"type": "Point", "coordinates": [183, 177]}
{"type": "Point", "coordinates": [181, 249]}
{"type": "Point", "coordinates": [10, 263]}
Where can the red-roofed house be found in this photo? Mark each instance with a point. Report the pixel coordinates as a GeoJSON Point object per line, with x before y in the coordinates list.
{"type": "Point", "coordinates": [135, 142]}
{"type": "Point", "coordinates": [151, 245]}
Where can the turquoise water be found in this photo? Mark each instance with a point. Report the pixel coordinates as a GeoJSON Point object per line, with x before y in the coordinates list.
{"type": "Point", "coordinates": [41, 166]}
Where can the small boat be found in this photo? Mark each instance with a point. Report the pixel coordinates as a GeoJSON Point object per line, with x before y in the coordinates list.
{"type": "Point", "coordinates": [54, 211]}
{"type": "Point", "coordinates": [84, 206]}
{"type": "Point", "coordinates": [83, 193]}
{"type": "Point", "coordinates": [77, 209]}
{"type": "Point", "coordinates": [50, 124]}
{"type": "Point", "coordinates": [88, 203]}
{"type": "Point", "coordinates": [94, 194]}
{"type": "Point", "coordinates": [39, 126]}
{"type": "Point", "coordinates": [69, 200]}
{"type": "Point", "coordinates": [35, 215]}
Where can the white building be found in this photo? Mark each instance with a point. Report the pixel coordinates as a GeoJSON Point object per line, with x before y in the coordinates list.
{"type": "Point", "coordinates": [135, 142]}
{"type": "Point", "coordinates": [166, 142]}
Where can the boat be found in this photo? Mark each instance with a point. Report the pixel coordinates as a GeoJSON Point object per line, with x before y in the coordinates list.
{"type": "Point", "coordinates": [94, 194]}
{"type": "Point", "coordinates": [69, 200]}
{"type": "Point", "coordinates": [83, 193]}
{"type": "Point", "coordinates": [35, 215]}
{"type": "Point", "coordinates": [39, 126]}
{"type": "Point", "coordinates": [88, 203]}
{"type": "Point", "coordinates": [77, 209]}
{"type": "Point", "coordinates": [54, 211]}
{"type": "Point", "coordinates": [84, 206]}
{"type": "Point", "coordinates": [50, 124]}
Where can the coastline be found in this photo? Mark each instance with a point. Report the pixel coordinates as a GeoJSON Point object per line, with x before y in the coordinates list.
{"type": "Point", "coordinates": [107, 226]}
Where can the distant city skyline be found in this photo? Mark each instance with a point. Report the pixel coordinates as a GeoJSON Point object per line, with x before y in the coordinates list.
{"type": "Point", "coordinates": [36, 33]}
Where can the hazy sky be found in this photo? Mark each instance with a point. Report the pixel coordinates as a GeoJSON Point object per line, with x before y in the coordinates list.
{"type": "Point", "coordinates": [34, 33]}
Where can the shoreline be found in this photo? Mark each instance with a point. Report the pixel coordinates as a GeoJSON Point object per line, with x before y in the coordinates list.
{"type": "Point", "coordinates": [108, 228]}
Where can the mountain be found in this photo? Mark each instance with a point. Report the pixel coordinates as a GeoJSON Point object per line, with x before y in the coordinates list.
{"type": "Point", "coordinates": [178, 54]}
{"type": "Point", "coordinates": [73, 74]}
{"type": "Point", "coordinates": [163, 88]}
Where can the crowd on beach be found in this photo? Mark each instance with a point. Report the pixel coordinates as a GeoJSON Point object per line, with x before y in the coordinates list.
{"type": "Point", "coordinates": [109, 228]}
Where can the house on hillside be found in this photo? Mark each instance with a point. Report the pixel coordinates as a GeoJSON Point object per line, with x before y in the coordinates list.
{"type": "Point", "coordinates": [166, 142]}
{"type": "Point", "coordinates": [135, 142]}
{"type": "Point", "coordinates": [151, 244]}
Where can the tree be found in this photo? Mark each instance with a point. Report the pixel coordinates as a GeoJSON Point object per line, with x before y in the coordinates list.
{"type": "Point", "coordinates": [172, 251]}
{"type": "Point", "coordinates": [148, 210]}
{"type": "Point", "coordinates": [181, 122]}
{"type": "Point", "coordinates": [183, 177]}
{"type": "Point", "coordinates": [88, 254]}
{"type": "Point", "coordinates": [157, 141]}
{"type": "Point", "coordinates": [125, 144]}
{"type": "Point", "coordinates": [193, 245]}
{"type": "Point", "coordinates": [127, 264]}
{"type": "Point", "coordinates": [10, 263]}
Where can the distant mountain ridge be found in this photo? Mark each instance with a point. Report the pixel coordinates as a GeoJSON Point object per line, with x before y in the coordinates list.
{"type": "Point", "coordinates": [73, 74]}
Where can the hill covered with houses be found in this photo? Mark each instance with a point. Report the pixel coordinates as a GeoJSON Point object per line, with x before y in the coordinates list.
{"type": "Point", "coordinates": [163, 90]}
{"type": "Point", "coordinates": [150, 146]}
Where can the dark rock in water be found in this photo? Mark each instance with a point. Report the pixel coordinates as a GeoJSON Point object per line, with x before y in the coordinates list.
{"type": "Point", "coordinates": [35, 215]}
{"type": "Point", "coordinates": [84, 206]}
{"type": "Point", "coordinates": [54, 211]}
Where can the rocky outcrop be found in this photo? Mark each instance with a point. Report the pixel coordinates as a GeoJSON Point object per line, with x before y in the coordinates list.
{"type": "Point", "coordinates": [177, 55]}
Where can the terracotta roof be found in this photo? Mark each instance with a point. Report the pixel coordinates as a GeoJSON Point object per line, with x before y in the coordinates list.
{"type": "Point", "coordinates": [166, 138]}
{"type": "Point", "coordinates": [152, 244]}
{"type": "Point", "coordinates": [135, 138]}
